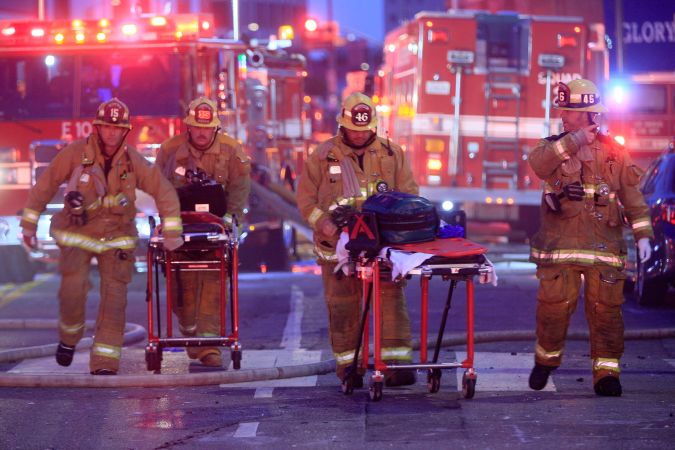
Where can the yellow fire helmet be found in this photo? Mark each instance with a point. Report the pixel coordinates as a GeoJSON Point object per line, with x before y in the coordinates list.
{"type": "Point", "coordinates": [113, 112]}
{"type": "Point", "coordinates": [358, 113]}
{"type": "Point", "coordinates": [579, 95]}
{"type": "Point", "coordinates": [202, 113]}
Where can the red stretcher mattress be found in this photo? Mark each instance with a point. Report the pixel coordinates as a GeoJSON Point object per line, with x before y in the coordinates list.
{"type": "Point", "coordinates": [451, 248]}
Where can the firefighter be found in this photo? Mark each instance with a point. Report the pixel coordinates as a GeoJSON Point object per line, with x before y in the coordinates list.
{"type": "Point", "coordinates": [590, 185]}
{"type": "Point", "coordinates": [204, 148]}
{"type": "Point", "coordinates": [345, 170]}
{"type": "Point", "coordinates": [102, 173]}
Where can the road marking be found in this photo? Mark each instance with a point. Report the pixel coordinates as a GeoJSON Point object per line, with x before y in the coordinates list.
{"type": "Point", "coordinates": [670, 361]}
{"type": "Point", "coordinates": [22, 289]}
{"type": "Point", "coordinates": [246, 430]}
{"type": "Point", "coordinates": [263, 392]}
{"type": "Point", "coordinates": [293, 329]}
{"type": "Point", "coordinates": [498, 372]}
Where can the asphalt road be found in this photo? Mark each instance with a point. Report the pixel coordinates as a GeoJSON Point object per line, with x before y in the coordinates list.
{"type": "Point", "coordinates": [283, 322]}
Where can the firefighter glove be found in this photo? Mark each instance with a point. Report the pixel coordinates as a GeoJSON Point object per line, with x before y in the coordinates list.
{"type": "Point", "coordinates": [644, 249]}
{"type": "Point", "coordinates": [574, 191]}
{"type": "Point", "coordinates": [29, 239]}
{"type": "Point", "coordinates": [341, 215]}
{"type": "Point", "coordinates": [74, 202]}
{"type": "Point", "coordinates": [172, 243]}
{"type": "Point", "coordinates": [552, 200]}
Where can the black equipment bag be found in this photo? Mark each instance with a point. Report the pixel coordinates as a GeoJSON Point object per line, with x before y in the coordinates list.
{"type": "Point", "coordinates": [403, 218]}
{"type": "Point", "coordinates": [203, 198]}
{"type": "Point", "coordinates": [363, 235]}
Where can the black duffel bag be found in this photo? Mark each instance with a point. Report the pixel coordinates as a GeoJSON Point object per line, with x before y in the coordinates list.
{"type": "Point", "coordinates": [203, 198]}
{"type": "Point", "coordinates": [403, 218]}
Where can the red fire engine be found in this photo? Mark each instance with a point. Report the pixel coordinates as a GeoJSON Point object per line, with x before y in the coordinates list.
{"type": "Point", "coordinates": [642, 114]}
{"type": "Point", "coordinates": [53, 75]}
{"type": "Point", "coordinates": [469, 93]}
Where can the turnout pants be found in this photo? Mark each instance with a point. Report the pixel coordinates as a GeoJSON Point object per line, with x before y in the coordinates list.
{"type": "Point", "coordinates": [344, 302]}
{"type": "Point", "coordinates": [196, 303]}
{"type": "Point", "coordinates": [559, 286]}
{"type": "Point", "coordinates": [115, 269]}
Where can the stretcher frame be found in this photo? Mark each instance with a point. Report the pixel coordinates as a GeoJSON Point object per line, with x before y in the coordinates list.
{"type": "Point", "coordinates": [225, 245]}
{"type": "Point", "coordinates": [369, 271]}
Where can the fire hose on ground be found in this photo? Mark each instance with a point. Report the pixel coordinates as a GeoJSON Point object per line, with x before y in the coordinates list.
{"type": "Point", "coordinates": [135, 333]}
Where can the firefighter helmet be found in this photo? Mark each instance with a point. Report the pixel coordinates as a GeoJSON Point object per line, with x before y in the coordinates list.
{"type": "Point", "coordinates": [579, 95]}
{"type": "Point", "coordinates": [358, 113]}
{"type": "Point", "coordinates": [113, 112]}
{"type": "Point", "coordinates": [202, 113]}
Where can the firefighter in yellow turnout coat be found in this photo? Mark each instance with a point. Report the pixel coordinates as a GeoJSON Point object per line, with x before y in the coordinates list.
{"type": "Point", "coordinates": [196, 299]}
{"type": "Point", "coordinates": [102, 173]}
{"type": "Point", "coordinates": [345, 170]}
{"type": "Point", "coordinates": [588, 179]}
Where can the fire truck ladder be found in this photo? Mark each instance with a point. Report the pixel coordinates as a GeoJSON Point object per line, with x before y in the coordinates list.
{"type": "Point", "coordinates": [501, 131]}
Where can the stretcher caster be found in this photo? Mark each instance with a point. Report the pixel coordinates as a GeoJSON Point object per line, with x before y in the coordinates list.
{"type": "Point", "coordinates": [347, 385]}
{"type": "Point", "coordinates": [236, 355]}
{"type": "Point", "coordinates": [434, 380]}
{"type": "Point", "coordinates": [236, 359]}
{"type": "Point", "coordinates": [469, 384]}
{"type": "Point", "coordinates": [351, 381]}
{"type": "Point", "coordinates": [153, 358]}
{"type": "Point", "coordinates": [375, 390]}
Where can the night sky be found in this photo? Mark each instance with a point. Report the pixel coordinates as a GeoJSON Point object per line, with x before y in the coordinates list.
{"type": "Point", "coordinates": [364, 18]}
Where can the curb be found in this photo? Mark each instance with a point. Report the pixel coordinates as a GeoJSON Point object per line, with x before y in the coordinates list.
{"type": "Point", "coordinates": [203, 379]}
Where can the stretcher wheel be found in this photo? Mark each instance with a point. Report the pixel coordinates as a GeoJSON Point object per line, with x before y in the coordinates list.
{"type": "Point", "coordinates": [347, 385]}
{"type": "Point", "coordinates": [236, 359]}
{"type": "Point", "coordinates": [153, 358]}
{"type": "Point", "coordinates": [434, 380]}
{"type": "Point", "coordinates": [375, 391]}
{"type": "Point", "coordinates": [468, 385]}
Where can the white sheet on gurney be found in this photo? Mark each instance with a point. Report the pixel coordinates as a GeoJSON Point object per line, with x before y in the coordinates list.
{"type": "Point", "coordinates": [402, 262]}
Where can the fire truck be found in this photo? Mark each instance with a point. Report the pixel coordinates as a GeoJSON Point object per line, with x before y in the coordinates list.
{"type": "Point", "coordinates": [54, 74]}
{"type": "Point", "coordinates": [469, 93]}
{"type": "Point", "coordinates": [642, 114]}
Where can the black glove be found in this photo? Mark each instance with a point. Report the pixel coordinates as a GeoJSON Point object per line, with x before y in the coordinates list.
{"type": "Point", "coordinates": [574, 191]}
{"type": "Point", "coordinates": [74, 202]}
{"type": "Point", "coordinates": [341, 215]}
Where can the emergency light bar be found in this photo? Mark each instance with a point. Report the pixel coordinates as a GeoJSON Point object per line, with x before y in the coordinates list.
{"type": "Point", "coordinates": [550, 61]}
{"type": "Point", "coordinates": [176, 27]}
{"type": "Point", "coordinates": [460, 57]}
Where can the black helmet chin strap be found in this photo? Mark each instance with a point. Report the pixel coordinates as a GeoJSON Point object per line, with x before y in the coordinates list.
{"type": "Point", "coordinates": [194, 144]}
{"type": "Point", "coordinates": [347, 141]}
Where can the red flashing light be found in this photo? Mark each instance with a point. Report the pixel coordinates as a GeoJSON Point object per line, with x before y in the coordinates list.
{"type": "Point", "coordinates": [567, 41]}
{"type": "Point", "coordinates": [311, 25]}
{"type": "Point", "coordinates": [158, 21]}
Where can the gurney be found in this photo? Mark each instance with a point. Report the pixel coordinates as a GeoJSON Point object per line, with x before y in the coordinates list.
{"type": "Point", "coordinates": [454, 260]}
{"type": "Point", "coordinates": [209, 246]}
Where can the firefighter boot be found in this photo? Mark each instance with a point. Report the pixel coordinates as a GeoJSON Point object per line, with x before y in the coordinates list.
{"type": "Point", "coordinates": [608, 386]}
{"type": "Point", "coordinates": [212, 359]}
{"type": "Point", "coordinates": [399, 377]}
{"type": "Point", "coordinates": [103, 372]}
{"type": "Point", "coordinates": [64, 354]}
{"type": "Point", "coordinates": [539, 376]}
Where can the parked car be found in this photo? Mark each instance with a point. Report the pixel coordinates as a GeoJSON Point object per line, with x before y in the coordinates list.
{"type": "Point", "coordinates": [654, 277]}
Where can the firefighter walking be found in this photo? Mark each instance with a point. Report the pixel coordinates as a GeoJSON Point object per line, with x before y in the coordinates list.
{"type": "Point", "coordinates": [102, 173]}
{"type": "Point", "coordinates": [204, 149]}
{"type": "Point", "coordinates": [345, 170]}
{"type": "Point", "coordinates": [588, 179]}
